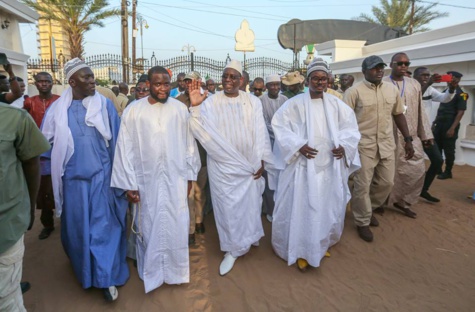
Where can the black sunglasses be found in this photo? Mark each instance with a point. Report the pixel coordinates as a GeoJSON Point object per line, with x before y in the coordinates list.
{"type": "Point", "coordinates": [402, 63]}
{"type": "Point", "coordinates": [259, 90]}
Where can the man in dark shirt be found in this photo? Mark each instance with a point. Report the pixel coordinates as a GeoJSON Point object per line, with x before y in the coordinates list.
{"type": "Point", "coordinates": [447, 124]}
{"type": "Point", "coordinates": [7, 84]}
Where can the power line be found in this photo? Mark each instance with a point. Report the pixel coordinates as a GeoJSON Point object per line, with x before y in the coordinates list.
{"type": "Point", "coordinates": [208, 11]}
{"type": "Point", "coordinates": [448, 5]}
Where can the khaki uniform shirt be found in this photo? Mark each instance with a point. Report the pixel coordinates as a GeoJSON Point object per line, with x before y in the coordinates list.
{"type": "Point", "coordinates": [122, 100]}
{"type": "Point", "coordinates": [374, 107]}
{"type": "Point", "coordinates": [335, 93]}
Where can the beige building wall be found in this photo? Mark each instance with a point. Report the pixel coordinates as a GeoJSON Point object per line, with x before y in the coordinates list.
{"type": "Point", "coordinates": [47, 29]}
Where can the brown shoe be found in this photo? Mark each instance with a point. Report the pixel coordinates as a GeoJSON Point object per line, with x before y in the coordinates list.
{"type": "Point", "coordinates": [191, 239]}
{"type": "Point", "coordinates": [374, 221]}
{"type": "Point", "coordinates": [407, 212]}
{"type": "Point", "coordinates": [365, 233]}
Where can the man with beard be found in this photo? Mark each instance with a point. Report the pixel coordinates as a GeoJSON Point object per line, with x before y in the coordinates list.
{"type": "Point", "coordinates": [409, 176]}
{"type": "Point", "coordinates": [156, 162]}
{"type": "Point", "coordinates": [376, 104]}
{"type": "Point", "coordinates": [230, 126]}
{"type": "Point", "coordinates": [83, 126]}
{"type": "Point", "coordinates": [37, 106]}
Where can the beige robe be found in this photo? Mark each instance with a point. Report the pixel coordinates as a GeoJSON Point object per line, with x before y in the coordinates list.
{"type": "Point", "coordinates": [409, 177]}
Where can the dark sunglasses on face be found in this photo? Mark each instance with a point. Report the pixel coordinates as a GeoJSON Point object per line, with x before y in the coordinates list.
{"type": "Point", "coordinates": [258, 90]}
{"type": "Point", "coordinates": [141, 90]}
{"type": "Point", "coordinates": [402, 63]}
{"type": "Point", "coordinates": [232, 77]}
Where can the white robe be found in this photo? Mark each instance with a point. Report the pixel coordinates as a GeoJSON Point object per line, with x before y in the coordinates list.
{"type": "Point", "coordinates": [233, 132]}
{"type": "Point", "coordinates": [156, 154]}
{"type": "Point", "coordinates": [312, 194]}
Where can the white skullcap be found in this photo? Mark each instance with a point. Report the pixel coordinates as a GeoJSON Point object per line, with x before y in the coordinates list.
{"type": "Point", "coordinates": [71, 67]}
{"type": "Point", "coordinates": [234, 64]}
{"type": "Point", "coordinates": [273, 78]}
{"type": "Point", "coordinates": [317, 64]}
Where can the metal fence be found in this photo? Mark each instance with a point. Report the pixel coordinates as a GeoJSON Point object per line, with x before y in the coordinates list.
{"type": "Point", "coordinates": [114, 69]}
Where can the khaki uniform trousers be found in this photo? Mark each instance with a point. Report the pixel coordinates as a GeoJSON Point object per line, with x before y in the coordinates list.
{"type": "Point", "coordinates": [372, 184]}
{"type": "Point", "coordinates": [197, 199]}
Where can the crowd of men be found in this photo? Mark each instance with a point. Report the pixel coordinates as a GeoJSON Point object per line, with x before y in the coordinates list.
{"type": "Point", "coordinates": [296, 148]}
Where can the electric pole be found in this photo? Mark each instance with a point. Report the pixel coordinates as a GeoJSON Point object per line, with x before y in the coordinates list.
{"type": "Point", "coordinates": [125, 41]}
{"type": "Point", "coordinates": [134, 27]}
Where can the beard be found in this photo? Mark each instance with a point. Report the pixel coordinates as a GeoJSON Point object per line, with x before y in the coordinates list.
{"type": "Point", "coordinates": [156, 98]}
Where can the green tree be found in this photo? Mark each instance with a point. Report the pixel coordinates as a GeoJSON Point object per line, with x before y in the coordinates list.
{"type": "Point", "coordinates": [406, 14]}
{"type": "Point", "coordinates": [75, 16]}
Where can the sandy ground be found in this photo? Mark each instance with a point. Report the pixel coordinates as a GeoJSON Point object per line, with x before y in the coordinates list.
{"type": "Point", "coordinates": [427, 264]}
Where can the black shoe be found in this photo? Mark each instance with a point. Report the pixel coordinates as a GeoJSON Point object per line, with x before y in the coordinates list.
{"type": "Point", "coordinates": [110, 294]}
{"type": "Point", "coordinates": [365, 233]}
{"type": "Point", "coordinates": [429, 197]}
{"type": "Point", "coordinates": [191, 239]}
{"type": "Point", "coordinates": [199, 228]}
{"type": "Point", "coordinates": [25, 286]}
{"type": "Point", "coordinates": [379, 210]}
{"type": "Point", "coordinates": [45, 233]}
{"type": "Point", "coordinates": [374, 221]}
{"type": "Point", "coordinates": [445, 175]}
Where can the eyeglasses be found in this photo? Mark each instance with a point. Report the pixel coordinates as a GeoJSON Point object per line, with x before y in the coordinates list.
{"type": "Point", "coordinates": [141, 89]}
{"type": "Point", "coordinates": [258, 90]}
{"type": "Point", "coordinates": [319, 80]}
{"type": "Point", "coordinates": [232, 77]}
{"type": "Point", "coordinates": [402, 63]}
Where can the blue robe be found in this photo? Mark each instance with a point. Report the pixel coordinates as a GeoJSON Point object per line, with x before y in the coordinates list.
{"type": "Point", "coordinates": [93, 221]}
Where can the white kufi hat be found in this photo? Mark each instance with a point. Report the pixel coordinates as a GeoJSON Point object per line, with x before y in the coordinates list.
{"type": "Point", "coordinates": [71, 67]}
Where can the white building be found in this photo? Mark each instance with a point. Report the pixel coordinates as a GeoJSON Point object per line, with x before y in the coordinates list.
{"type": "Point", "coordinates": [12, 13]}
{"type": "Point", "coordinates": [440, 50]}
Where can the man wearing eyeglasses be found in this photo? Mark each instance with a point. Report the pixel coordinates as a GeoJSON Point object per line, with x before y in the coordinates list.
{"type": "Point", "coordinates": [376, 104]}
{"type": "Point", "coordinates": [409, 176]}
{"type": "Point", "coordinates": [316, 148]}
{"type": "Point", "coordinates": [230, 126]}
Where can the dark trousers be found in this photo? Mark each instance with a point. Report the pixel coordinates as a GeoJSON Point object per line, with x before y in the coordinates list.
{"type": "Point", "coordinates": [435, 167]}
{"type": "Point", "coordinates": [444, 143]}
{"type": "Point", "coordinates": [45, 201]}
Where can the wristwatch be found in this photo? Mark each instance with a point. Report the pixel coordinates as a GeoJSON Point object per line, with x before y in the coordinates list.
{"type": "Point", "coordinates": [408, 139]}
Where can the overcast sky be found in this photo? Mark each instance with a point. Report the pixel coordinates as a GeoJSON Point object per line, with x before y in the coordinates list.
{"type": "Point", "coordinates": [209, 26]}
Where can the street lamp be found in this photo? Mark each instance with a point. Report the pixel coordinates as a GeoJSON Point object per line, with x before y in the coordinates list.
{"type": "Point", "coordinates": [143, 23]}
{"type": "Point", "coordinates": [189, 49]}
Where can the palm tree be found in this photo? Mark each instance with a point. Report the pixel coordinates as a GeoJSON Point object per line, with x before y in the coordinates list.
{"type": "Point", "coordinates": [406, 14]}
{"type": "Point", "coordinates": [75, 16]}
